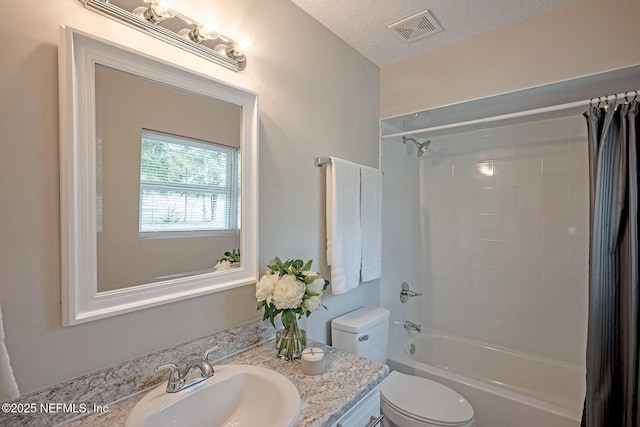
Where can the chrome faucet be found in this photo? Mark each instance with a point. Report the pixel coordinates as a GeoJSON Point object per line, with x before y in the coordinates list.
{"type": "Point", "coordinates": [413, 326]}
{"type": "Point", "coordinates": [179, 382]}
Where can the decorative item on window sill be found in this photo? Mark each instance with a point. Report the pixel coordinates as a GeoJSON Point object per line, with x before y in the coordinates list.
{"type": "Point", "coordinates": [228, 261]}
{"type": "Point", "coordinates": [161, 19]}
{"type": "Point", "coordinates": [292, 290]}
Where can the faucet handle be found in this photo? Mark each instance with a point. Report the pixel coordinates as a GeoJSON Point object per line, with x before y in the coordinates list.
{"type": "Point", "coordinates": [171, 367]}
{"type": "Point", "coordinates": [206, 370]}
{"type": "Point", "coordinates": [405, 292]}
{"type": "Point", "coordinates": [175, 380]}
{"type": "Point", "coordinates": [206, 354]}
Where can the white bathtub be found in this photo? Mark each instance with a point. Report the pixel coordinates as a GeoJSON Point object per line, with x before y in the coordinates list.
{"type": "Point", "coordinates": [505, 388]}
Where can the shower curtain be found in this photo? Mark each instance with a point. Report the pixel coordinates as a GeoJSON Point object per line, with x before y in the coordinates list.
{"type": "Point", "coordinates": [612, 392]}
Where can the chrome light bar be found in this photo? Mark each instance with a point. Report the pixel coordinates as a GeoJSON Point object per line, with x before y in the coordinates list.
{"type": "Point", "coordinates": [175, 28]}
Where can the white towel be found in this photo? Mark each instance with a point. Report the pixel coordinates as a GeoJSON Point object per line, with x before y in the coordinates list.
{"type": "Point", "coordinates": [343, 224]}
{"type": "Point", "coordinates": [8, 385]}
{"type": "Point", "coordinates": [371, 222]}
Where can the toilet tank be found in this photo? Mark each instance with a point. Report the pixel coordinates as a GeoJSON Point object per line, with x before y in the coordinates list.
{"type": "Point", "coordinates": [364, 332]}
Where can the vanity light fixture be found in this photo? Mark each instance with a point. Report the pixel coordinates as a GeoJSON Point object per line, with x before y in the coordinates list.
{"type": "Point", "coordinates": [161, 19]}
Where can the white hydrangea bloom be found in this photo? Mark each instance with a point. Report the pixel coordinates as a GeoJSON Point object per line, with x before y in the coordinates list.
{"type": "Point", "coordinates": [223, 265]}
{"type": "Point", "coordinates": [288, 292]}
{"type": "Point", "coordinates": [316, 286]}
{"type": "Point", "coordinates": [265, 287]}
{"type": "Point", "coordinates": [313, 303]}
{"type": "Point", "coordinates": [309, 273]}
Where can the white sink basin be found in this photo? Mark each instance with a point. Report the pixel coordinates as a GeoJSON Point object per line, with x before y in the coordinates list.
{"type": "Point", "coordinates": [236, 396]}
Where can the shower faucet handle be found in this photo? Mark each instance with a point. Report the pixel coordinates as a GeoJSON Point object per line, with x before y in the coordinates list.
{"type": "Point", "coordinates": [405, 293]}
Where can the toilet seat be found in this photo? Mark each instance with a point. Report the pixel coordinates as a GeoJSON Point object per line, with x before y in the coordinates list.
{"type": "Point", "coordinates": [425, 400]}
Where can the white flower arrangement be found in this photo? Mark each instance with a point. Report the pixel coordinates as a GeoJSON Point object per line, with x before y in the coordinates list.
{"type": "Point", "coordinates": [228, 261]}
{"type": "Point", "coordinates": [292, 289]}
{"type": "Point", "coordinates": [289, 287]}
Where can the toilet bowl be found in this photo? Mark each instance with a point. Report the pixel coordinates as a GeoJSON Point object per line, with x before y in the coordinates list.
{"type": "Point", "coordinates": [405, 400]}
{"type": "Point", "coordinates": [410, 401]}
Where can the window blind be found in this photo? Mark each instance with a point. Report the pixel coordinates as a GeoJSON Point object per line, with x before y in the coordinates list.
{"type": "Point", "coordinates": [187, 185]}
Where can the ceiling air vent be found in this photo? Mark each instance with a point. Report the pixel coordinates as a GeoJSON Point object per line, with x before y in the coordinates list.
{"type": "Point", "coordinates": [415, 27]}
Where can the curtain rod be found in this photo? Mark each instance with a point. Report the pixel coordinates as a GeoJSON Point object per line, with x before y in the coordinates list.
{"type": "Point", "coordinates": [525, 113]}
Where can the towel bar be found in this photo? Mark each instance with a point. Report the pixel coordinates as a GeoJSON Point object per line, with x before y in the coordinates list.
{"type": "Point", "coordinates": [319, 161]}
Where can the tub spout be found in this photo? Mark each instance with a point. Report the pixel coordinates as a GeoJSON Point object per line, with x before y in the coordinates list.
{"type": "Point", "coordinates": [413, 326]}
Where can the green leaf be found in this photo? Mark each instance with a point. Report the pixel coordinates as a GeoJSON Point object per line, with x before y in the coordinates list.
{"type": "Point", "coordinates": [286, 318]}
{"type": "Point", "coordinates": [272, 320]}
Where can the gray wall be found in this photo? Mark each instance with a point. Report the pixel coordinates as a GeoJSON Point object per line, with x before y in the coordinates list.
{"type": "Point", "coordinates": [317, 97]}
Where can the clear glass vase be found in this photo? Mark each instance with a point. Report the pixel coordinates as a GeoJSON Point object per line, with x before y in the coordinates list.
{"type": "Point", "coordinates": [291, 340]}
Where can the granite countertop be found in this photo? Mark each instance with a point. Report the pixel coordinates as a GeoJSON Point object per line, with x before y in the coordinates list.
{"type": "Point", "coordinates": [325, 398]}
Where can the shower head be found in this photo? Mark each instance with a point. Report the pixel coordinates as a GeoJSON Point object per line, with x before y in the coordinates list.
{"type": "Point", "coordinates": [422, 146]}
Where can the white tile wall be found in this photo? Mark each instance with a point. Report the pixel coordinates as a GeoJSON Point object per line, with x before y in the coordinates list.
{"type": "Point", "coordinates": [504, 236]}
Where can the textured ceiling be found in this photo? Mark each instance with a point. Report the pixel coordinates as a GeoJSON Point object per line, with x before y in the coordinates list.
{"type": "Point", "coordinates": [363, 23]}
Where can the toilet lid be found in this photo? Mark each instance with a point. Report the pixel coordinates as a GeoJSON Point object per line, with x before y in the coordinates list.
{"type": "Point", "coordinates": [424, 399]}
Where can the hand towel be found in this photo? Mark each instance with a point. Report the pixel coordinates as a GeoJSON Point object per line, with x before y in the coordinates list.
{"type": "Point", "coordinates": [371, 222]}
{"type": "Point", "coordinates": [343, 224]}
{"type": "Point", "coordinates": [8, 385]}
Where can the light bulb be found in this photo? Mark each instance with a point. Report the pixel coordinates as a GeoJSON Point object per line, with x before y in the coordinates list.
{"type": "Point", "coordinates": [206, 30]}
{"type": "Point", "coordinates": [245, 44]}
{"type": "Point", "coordinates": [165, 8]}
{"type": "Point", "coordinates": [238, 50]}
{"type": "Point", "coordinates": [158, 11]}
{"type": "Point", "coordinates": [209, 27]}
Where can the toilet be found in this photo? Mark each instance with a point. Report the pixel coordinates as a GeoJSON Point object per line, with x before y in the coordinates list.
{"type": "Point", "coordinates": [405, 400]}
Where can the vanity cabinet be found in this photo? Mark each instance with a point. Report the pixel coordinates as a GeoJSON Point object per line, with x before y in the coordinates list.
{"type": "Point", "coordinates": [360, 414]}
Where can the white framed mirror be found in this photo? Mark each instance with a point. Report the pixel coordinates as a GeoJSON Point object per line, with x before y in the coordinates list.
{"type": "Point", "coordinates": [159, 179]}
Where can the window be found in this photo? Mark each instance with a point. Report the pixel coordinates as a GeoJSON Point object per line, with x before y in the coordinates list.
{"type": "Point", "coordinates": [187, 187]}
